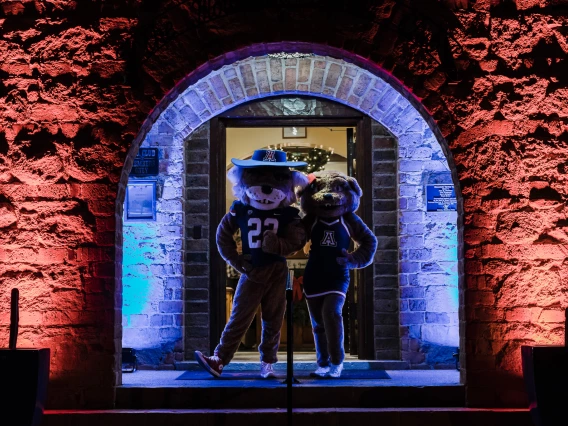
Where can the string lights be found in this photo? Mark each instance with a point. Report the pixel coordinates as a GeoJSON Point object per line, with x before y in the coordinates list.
{"type": "Point", "coordinates": [316, 156]}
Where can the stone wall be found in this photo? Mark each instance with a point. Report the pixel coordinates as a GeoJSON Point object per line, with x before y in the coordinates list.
{"type": "Point", "coordinates": [82, 82]}
{"type": "Point", "coordinates": [152, 266]}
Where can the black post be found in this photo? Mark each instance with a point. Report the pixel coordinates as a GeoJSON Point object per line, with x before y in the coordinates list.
{"type": "Point", "coordinates": [566, 329]}
{"type": "Point", "coordinates": [290, 379]}
{"type": "Point", "coordinates": [14, 318]}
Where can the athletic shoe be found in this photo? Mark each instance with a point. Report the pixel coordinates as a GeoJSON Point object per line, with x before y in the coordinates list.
{"type": "Point", "coordinates": [211, 364]}
{"type": "Point", "coordinates": [266, 370]}
{"type": "Point", "coordinates": [321, 371]}
{"type": "Point", "coordinates": [335, 370]}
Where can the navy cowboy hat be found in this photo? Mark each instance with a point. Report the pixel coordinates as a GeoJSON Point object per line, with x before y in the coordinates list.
{"type": "Point", "coordinates": [268, 157]}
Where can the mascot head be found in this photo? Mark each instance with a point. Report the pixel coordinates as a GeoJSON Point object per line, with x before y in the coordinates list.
{"type": "Point", "coordinates": [330, 194]}
{"type": "Point", "coordinates": [266, 182]}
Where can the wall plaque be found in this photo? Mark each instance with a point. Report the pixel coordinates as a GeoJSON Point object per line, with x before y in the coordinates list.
{"type": "Point", "coordinates": [140, 202]}
{"type": "Point", "coordinates": [146, 163]}
{"type": "Point", "coordinates": [441, 198]}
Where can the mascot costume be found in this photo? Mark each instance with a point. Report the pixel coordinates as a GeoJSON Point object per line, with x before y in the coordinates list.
{"type": "Point", "coordinates": [329, 203]}
{"type": "Point", "coordinates": [270, 229]}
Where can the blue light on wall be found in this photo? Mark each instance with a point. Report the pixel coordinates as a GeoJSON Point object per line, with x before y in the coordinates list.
{"type": "Point", "coordinates": [136, 270]}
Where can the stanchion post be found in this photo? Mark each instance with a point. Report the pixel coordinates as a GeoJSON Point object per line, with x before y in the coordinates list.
{"type": "Point", "coordinates": [290, 379]}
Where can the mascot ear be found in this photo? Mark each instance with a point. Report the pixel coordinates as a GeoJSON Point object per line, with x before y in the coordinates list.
{"type": "Point", "coordinates": [299, 180]}
{"type": "Point", "coordinates": [235, 175]}
{"type": "Point", "coordinates": [355, 186]}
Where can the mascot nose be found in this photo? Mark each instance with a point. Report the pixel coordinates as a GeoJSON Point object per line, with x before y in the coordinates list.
{"type": "Point", "coordinates": [327, 196]}
{"type": "Point", "coordinates": [266, 189]}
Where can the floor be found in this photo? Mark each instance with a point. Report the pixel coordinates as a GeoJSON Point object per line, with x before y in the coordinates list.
{"type": "Point", "coordinates": [302, 361]}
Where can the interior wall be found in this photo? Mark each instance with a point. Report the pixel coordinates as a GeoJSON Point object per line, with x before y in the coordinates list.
{"type": "Point", "coordinates": [241, 142]}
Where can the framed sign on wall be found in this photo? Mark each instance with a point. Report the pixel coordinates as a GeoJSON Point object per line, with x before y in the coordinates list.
{"type": "Point", "coordinates": [140, 203]}
{"type": "Point", "coordinates": [294, 132]}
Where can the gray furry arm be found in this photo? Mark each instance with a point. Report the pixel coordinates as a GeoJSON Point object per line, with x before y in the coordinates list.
{"type": "Point", "coordinates": [225, 241]}
{"type": "Point", "coordinates": [294, 240]}
{"type": "Point", "coordinates": [365, 239]}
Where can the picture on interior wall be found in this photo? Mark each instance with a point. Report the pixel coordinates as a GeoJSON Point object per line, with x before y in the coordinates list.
{"type": "Point", "coordinates": [294, 132]}
{"type": "Point", "coordinates": [140, 200]}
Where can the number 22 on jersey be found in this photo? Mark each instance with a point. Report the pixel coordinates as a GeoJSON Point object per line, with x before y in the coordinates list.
{"type": "Point", "coordinates": [257, 228]}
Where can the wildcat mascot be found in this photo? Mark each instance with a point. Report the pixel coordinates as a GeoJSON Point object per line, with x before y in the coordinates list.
{"type": "Point", "coordinates": [265, 189]}
{"type": "Point", "coordinates": [329, 203]}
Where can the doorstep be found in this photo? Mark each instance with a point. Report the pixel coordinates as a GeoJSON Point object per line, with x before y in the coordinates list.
{"type": "Point", "coordinates": [303, 365]}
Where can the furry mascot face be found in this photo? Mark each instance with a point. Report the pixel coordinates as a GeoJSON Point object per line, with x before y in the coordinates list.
{"type": "Point", "coordinates": [266, 188]}
{"type": "Point", "coordinates": [330, 194]}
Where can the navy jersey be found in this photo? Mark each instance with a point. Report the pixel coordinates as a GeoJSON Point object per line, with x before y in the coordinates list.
{"type": "Point", "coordinates": [253, 223]}
{"type": "Point", "coordinates": [323, 275]}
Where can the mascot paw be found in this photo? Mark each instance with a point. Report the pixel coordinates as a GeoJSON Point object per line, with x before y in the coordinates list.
{"type": "Point", "coordinates": [270, 242]}
{"type": "Point", "coordinates": [347, 260]}
{"type": "Point", "coordinates": [242, 265]}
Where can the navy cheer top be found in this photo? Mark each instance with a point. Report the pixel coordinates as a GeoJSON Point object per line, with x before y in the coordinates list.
{"type": "Point", "coordinates": [323, 275]}
{"type": "Point", "coordinates": [253, 222]}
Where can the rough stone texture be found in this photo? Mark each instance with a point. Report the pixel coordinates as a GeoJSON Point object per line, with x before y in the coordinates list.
{"type": "Point", "coordinates": [79, 79]}
{"type": "Point", "coordinates": [152, 267]}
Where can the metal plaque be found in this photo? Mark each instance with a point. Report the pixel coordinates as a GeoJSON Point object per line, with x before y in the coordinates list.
{"type": "Point", "coordinates": [146, 163]}
{"type": "Point", "coordinates": [440, 198]}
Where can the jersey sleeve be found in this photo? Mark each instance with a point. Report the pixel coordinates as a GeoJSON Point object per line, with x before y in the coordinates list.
{"type": "Point", "coordinates": [235, 208]}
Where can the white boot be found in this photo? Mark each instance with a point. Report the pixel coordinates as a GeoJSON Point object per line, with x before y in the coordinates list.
{"type": "Point", "coordinates": [266, 370]}
{"type": "Point", "coordinates": [335, 370]}
{"type": "Point", "coordinates": [321, 371]}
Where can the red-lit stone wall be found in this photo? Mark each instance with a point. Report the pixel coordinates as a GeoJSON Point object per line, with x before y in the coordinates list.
{"type": "Point", "coordinates": [78, 79]}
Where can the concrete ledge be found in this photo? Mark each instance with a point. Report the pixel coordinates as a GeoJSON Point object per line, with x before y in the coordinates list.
{"type": "Point", "coordinates": [301, 417]}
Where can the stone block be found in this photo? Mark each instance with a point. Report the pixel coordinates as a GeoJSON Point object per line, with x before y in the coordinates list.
{"type": "Point", "coordinates": [333, 74]}
{"type": "Point", "coordinates": [195, 295]}
{"type": "Point", "coordinates": [384, 167]}
{"type": "Point", "coordinates": [437, 318]}
{"type": "Point", "coordinates": [236, 89]}
{"type": "Point", "coordinates": [219, 86]}
{"type": "Point", "coordinates": [385, 282]}
{"type": "Point", "coordinates": [417, 305]}
{"type": "Point", "coordinates": [441, 298]}
{"type": "Point", "coordinates": [381, 318]}
{"type": "Point", "coordinates": [170, 307]}
{"type": "Point", "coordinates": [388, 268]}
{"type": "Point", "coordinates": [247, 75]}
{"type": "Point", "coordinates": [317, 80]}
{"type": "Point", "coordinates": [384, 305]}
{"type": "Point", "coordinates": [411, 318]}
{"type": "Point", "coordinates": [196, 307]}
{"type": "Point", "coordinates": [344, 88]}
{"type": "Point", "coordinates": [412, 292]}
{"type": "Point", "coordinates": [192, 257]}
{"type": "Point", "coordinates": [441, 334]}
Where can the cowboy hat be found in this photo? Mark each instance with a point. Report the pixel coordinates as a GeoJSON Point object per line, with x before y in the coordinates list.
{"type": "Point", "coordinates": [268, 157]}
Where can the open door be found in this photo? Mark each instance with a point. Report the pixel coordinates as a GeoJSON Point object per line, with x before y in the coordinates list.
{"type": "Point", "coordinates": [358, 313]}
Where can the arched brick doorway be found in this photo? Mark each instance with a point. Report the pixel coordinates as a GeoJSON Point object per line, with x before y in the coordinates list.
{"type": "Point", "coordinates": [178, 123]}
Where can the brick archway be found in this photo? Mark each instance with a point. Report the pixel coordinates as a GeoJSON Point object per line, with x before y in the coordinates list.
{"type": "Point", "coordinates": [252, 74]}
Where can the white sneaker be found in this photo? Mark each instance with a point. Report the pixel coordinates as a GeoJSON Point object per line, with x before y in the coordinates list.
{"type": "Point", "coordinates": [335, 370]}
{"type": "Point", "coordinates": [321, 371]}
{"type": "Point", "coordinates": [266, 370]}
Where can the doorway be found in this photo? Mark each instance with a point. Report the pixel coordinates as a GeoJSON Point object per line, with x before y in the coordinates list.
{"type": "Point", "coordinates": [333, 144]}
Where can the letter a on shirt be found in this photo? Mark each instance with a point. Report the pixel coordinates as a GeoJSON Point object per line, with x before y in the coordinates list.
{"type": "Point", "coordinates": [328, 239]}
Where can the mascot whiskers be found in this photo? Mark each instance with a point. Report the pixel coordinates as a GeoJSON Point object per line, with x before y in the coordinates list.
{"type": "Point", "coordinates": [270, 228]}
{"type": "Point", "coordinates": [329, 203]}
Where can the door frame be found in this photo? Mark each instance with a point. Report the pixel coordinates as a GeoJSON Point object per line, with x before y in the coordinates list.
{"type": "Point", "coordinates": [217, 174]}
